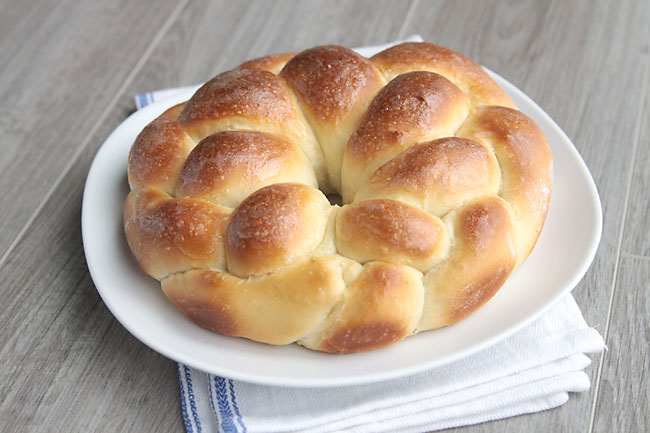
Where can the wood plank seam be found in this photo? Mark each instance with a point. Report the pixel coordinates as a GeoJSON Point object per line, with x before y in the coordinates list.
{"type": "Point", "coordinates": [75, 156]}
{"type": "Point", "coordinates": [407, 19]}
{"type": "Point", "coordinates": [635, 256]}
{"type": "Point", "coordinates": [619, 246]}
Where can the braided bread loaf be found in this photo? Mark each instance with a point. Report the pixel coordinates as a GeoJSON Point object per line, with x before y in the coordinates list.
{"type": "Point", "coordinates": [445, 189]}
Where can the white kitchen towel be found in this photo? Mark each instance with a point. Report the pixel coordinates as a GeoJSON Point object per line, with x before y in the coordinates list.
{"type": "Point", "coordinates": [531, 371]}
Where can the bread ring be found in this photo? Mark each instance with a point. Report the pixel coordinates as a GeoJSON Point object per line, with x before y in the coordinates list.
{"type": "Point", "coordinates": [445, 188]}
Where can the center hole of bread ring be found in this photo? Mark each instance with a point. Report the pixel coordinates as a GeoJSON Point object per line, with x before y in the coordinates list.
{"type": "Point", "coordinates": [335, 199]}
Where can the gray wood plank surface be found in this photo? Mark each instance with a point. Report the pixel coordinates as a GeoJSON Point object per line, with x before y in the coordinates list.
{"type": "Point", "coordinates": [262, 28]}
{"type": "Point", "coordinates": [637, 224]}
{"type": "Point", "coordinates": [624, 398]}
{"type": "Point", "coordinates": [67, 363]}
{"type": "Point", "coordinates": [62, 63]}
{"type": "Point", "coordinates": [72, 367]}
{"type": "Point", "coordinates": [584, 63]}
{"type": "Point", "coordinates": [623, 401]}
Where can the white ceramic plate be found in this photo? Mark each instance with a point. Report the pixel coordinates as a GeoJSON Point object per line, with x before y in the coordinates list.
{"type": "Point", "coordinates": [563, 254]}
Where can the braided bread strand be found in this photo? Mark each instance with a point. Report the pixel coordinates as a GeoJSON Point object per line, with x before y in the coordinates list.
{"type": "Point", "coordinates": [445, 188]}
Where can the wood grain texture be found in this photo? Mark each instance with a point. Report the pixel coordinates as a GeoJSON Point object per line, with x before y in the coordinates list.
{"type": "Point", "coordinates": [624, 399]}
{"type": "Point", "coordinates": [62, 64]}
{"type": "Point", "coordinates": [637, 224]}
{"type": "Point", "coordinates": [582, 62]}
{"type": "Point", "coordinates": [71, 366]}
{"type": "Point", "coordinates": [199, 49]}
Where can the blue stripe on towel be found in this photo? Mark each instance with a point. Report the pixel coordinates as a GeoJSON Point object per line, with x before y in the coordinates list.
{"type": "Point", "coordinates": [212, 393]}
{"type": "Point", "coordinates": [231, 386]}
{"type": "Point", "coordinates": [186, 417]}
{"type": "Point", "coordinates": [227, 424]}
{"type": "Point", "coordinates": [142, 100]}
{"type": "Point", "coordinates": [190, 393]}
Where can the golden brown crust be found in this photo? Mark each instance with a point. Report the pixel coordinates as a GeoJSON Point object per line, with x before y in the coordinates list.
{"type": "Point", "coordinates": [254, 100]}
{"type": "Point", "coordinates": [526, 163]}
{"type": "Point", "coordinates": [412, 105]}
{"type": "Point", "coordinates": [461, 70]}
{"type": "Point", "coordinates": [380, 307]}
{"type": "Point", "coordinates": [331, 81]}
{"type": "Point", "coordinates": [273, 63]}
{"type": "Point", "coordinates": [437, 175]}
{"type": "Point", "coordinates": [273, 226]}
{"type": "Point", "coordinates": [226, 167]}
{"type": "Point", "coordinates": [277, 308]}
{"type": "Point", "coordinates": [244, 94]}
{"type": "Point", "coordinates": [391, 231]}
{"type": "Point", "coordinates": [200, 295]}
{"type": "Point", "coordinates": [415, 106]}
{"type": "Point", "coordinates": [156, 157]}
{"type": "Point", "coordinates": [334, 86]}
{"type": "Point", "coordinates": [172, 235]}
{"type": "Point", "coordinates": [482, 258]}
